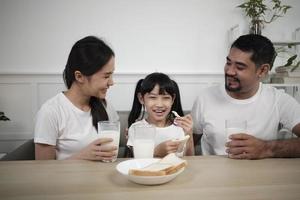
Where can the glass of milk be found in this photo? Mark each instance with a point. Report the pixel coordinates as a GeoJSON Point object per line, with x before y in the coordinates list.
{"type": "Point", "coordinates": [110, 129]}
{"type": "Point", "coordinates": [144, 141]}
{"type": "Point", "coordinates": [235, 126]}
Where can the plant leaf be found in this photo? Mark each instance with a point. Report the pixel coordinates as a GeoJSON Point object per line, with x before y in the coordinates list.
{"type": "Point", "coordinates": [296, 66]}
{"type": "Point", "coordinates": [290, 61]}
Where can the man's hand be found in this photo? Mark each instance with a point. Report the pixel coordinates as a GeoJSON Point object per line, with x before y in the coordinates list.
{"type": "Point", "coordinates": [244, 146]}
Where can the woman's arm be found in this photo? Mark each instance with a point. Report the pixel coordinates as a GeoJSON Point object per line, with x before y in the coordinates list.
{"type": "Point", "coordinates": [96, 150]}
{"type": "Point", "coordinates": [44, 152]}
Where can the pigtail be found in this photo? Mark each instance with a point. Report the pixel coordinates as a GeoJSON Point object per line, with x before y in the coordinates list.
{"type": "Point", "coordinates": [98, 110]}
{"type": "Point", "coordinates": [136, 106]}
{"type": "Point", "coordinates": [177, 102]}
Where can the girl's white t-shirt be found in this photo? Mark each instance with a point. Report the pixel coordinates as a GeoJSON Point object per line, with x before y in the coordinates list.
{"type": "Point", "coordinates": [162, 133]}
{"type": "Point", "coordinates": [61, 124]}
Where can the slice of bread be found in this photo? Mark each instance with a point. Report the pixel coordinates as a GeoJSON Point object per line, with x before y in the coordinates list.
{"type": "Point", "coordinates": [168, 165]}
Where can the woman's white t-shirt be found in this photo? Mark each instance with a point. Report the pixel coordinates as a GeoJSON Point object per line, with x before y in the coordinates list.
{"type": "Point", "coordinates": [162, 133]}
{"type": "Point", "coordinates": [61, 124]}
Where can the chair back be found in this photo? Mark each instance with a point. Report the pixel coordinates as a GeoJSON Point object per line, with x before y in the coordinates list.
{"type": "Point", "coordinates": [24, 152]}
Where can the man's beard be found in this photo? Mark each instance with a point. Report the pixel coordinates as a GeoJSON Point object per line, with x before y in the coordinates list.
{"type": "Point", "coordinates": [228, 88]}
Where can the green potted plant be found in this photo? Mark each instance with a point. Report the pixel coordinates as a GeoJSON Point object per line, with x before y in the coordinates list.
{"type": "Point", "coordinates": [3, 117]}
{"type": "Point", "coordinates": [260, 13]}
{"type": "Point", "coordinates": [291, 65]}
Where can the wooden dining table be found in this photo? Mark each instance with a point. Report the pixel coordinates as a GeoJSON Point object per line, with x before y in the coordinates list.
{"type": "Point", "coordinates": [205, 178]}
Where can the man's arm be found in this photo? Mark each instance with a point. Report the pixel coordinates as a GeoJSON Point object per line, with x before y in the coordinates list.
{"type": "Point", "coordinates": [286, 148]}
{"type": "Point", "coordinates": [244, 146]}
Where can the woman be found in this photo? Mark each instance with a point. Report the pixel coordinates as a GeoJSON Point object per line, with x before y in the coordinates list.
{"type": "Point", "coordinates": [66, 125]}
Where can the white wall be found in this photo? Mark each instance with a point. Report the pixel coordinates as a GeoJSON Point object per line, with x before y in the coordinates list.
{"type": "Point", "coordinates": [23, 94]}
{"type": "Point", "coordinates": [185, 38]}
{"type": "Point", "coordinates": [174, 36]}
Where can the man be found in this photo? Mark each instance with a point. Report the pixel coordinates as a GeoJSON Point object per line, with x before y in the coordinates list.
{"type": "Point", "coordinates": [245, 98]}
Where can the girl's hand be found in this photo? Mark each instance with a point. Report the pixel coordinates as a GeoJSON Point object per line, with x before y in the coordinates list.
{"type": "Point", "coordinates": [185, 122]}
{"type": "Point", "coordinates": [97, 151]}
{"type": "Point", "coordinates": [165, 148]}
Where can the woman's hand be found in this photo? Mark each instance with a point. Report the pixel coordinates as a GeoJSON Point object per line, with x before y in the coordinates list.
{"type": "Point", "coordinates": [97, 151]}
{"type": "Point", "coordinates": [185, 122]}
{"type": "Point", "coordinates": [165, 148]}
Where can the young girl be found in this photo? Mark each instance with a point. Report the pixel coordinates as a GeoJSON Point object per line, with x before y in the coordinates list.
{"type": "Point", "coordinates": [159, 95]}
{"type": "Point", "coordinates": [66, 125]}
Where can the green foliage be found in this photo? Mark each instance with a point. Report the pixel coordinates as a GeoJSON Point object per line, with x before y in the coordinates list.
{"type": "Point", "coordinates": [295, 66]}
{"type": "Point", "coordinates": [264, 12]}
{"type": "Point", "coordinates": [292, 62]}
{"type": "Point", "coordinates": [258, 10]}
{"type": "Point", "coordinates": [3, 117]}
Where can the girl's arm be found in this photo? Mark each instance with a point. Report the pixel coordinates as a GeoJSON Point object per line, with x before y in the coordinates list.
{"type": "Point", "coordinates": [165, 148]}
{"type": "Point", "coordinates": [190, 151]}
{"type": "Point", "coordinates": [186, 123]}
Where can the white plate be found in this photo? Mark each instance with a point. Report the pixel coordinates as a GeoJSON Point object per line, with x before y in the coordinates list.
{"type": "Point", "coordinates": [123, 168]}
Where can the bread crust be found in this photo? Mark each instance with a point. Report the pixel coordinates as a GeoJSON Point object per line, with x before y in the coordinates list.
{"type": "Point", "coordinates": [170, 164]}
{"type": "Point", "coordinates": [137, 172]}
{"type": "Point", "coordinates": [175, 169]}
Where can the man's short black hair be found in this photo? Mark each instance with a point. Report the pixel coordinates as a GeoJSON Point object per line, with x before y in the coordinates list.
{"type": "Point", "coordinates": [262, 48]}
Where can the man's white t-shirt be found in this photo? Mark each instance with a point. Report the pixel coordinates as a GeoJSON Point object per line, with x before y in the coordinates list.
{"type": "Point", "coordinates": [263, 112]}
{"type": "Point", "coordinates": [61, 124]}
{"type": "Point", "coordinates": [162, 133]}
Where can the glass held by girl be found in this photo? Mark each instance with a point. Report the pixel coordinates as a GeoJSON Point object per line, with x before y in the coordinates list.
{"type": "Point", "coordinates": [66, 124]}
{"type": "Point", "coordinates": [155, 98]}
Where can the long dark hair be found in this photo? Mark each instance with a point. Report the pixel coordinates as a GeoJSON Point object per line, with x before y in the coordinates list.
{"type": "Point", "coordinates": [88, 56]}
{"type": "Point", "coordinates": [143, 86]}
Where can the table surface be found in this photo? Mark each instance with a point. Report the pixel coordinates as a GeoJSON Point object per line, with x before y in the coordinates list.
{"type": "Point", "coordinates": [206, 177]}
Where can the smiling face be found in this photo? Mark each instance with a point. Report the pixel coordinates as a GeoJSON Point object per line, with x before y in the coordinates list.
{"type": "Point", "coordinates": [158, 106]}
{"type": "Point", "coordinates": [242, 77]}
{"type": "Point", "coordinates": [97, 84]}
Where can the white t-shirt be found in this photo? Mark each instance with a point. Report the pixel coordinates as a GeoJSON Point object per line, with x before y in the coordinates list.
{"type": "Point", "coordinates": [263, 112]}
{"type": "Point", "coordinates": [162, 133]}
{"type": "Point", "coordinates": [61, 124]}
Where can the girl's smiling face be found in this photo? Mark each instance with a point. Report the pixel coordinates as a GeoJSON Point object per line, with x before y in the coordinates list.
{"type": "Point", "coordinates": [158, 106]}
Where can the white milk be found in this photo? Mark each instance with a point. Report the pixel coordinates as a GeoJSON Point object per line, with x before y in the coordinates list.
{"type": "Point", "coordinates": [230, 131]}
{"type": "Point", "coordinates": [115, 135]}
{"type": "Point", "coordinates": [143, 148]}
